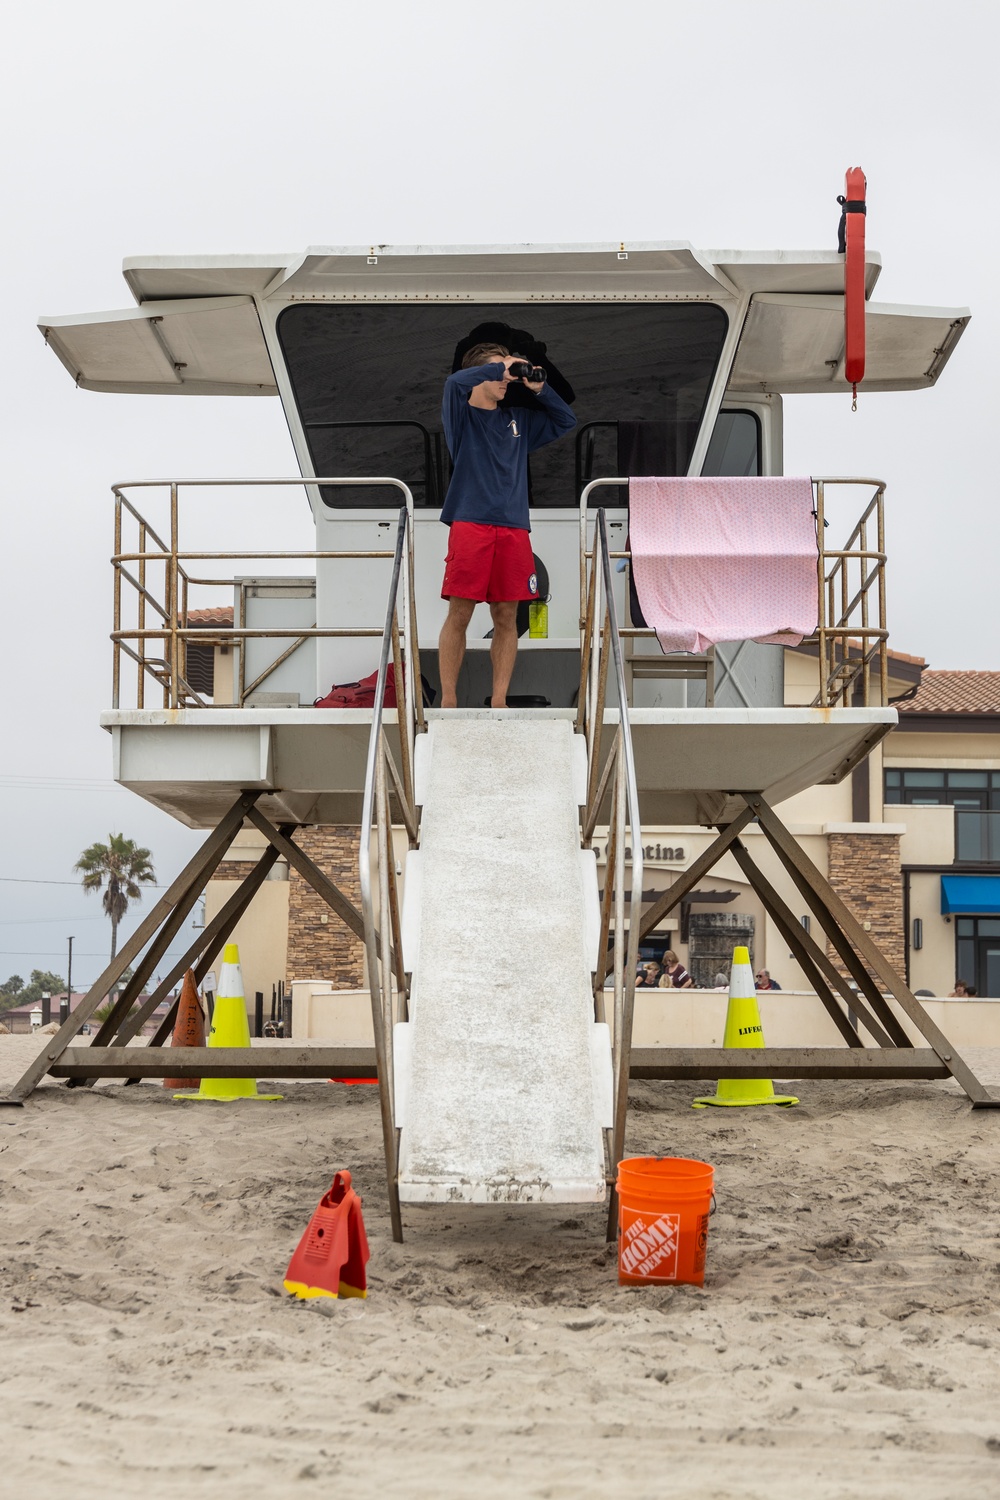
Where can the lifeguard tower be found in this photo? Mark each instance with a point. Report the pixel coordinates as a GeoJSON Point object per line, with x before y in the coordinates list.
{"type": "Point", "coordinates": [503, 1073]}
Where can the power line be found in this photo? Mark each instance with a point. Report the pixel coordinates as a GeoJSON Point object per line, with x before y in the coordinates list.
{"type": "Point", "coordinates": [60, 784]}
{"type": "Point", "coordinates": [34, 921]}
{"type": "Point", "coordinates": [44, 953]}
{"type": "Point", "coordinates": [66, 780]}
{"type": "Point", "coordinates": [150, 885]}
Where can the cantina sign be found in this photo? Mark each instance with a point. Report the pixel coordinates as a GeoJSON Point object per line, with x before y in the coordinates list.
{"type": "Point", "coordinates": [669, 854]}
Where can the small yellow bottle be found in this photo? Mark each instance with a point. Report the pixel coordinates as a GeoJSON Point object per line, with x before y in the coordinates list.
{"type": "Point", "coordinates": [538, 620]}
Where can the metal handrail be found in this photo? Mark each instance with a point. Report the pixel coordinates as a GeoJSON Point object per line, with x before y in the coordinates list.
{"type": "Point", "coordinates": [602, 655]}
{"type": "Point", "coordinates": [844, 671]}
{"type": "Point", "coordinates": [174, 630]}
{"type": "Point", "coordinates": [383, 945]}
{"type": "Point", "coordinates": [844, 674]}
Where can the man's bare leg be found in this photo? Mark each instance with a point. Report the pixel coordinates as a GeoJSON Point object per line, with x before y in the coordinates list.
{"type": "Point", "coordinates": [503, 651]}
{"type": "Point", "coordinates": [451, 648]}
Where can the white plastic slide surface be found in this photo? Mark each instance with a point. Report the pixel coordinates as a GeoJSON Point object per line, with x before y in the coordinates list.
{"type": "Point", "coordinates": [503, 1078]}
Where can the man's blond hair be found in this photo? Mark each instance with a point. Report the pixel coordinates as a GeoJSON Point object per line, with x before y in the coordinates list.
{"type": "Point", "coordinates": [484, 354]}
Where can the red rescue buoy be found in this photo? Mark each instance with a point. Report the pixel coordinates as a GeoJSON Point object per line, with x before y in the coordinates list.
{"type": "Point", "coordinates": [852, 247]}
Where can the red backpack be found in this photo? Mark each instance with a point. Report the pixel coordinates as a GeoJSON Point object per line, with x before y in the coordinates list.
{"type": "Point", "coordinates": [359, 694]}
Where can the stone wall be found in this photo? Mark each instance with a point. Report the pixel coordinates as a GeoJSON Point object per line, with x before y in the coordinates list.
{"type": "Point", "coordinates": [320, 946]}
{"type": "Point", "coordinates": [864, 871]}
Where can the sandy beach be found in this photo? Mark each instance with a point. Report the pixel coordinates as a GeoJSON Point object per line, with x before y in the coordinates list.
{"type": "Point", "coordinates": [844, 1344]}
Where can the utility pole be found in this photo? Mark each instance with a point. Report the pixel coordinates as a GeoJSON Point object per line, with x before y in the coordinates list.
{"type": "Point", "coordinates": [69, 980]}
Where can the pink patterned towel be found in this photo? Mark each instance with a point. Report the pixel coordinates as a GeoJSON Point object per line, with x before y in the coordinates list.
{"type": "Point", "coordinates": [724, 560]}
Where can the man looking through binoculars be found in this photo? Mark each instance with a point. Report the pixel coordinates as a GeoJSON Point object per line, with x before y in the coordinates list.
{"type": "Point", "coordinates": [489, 550]}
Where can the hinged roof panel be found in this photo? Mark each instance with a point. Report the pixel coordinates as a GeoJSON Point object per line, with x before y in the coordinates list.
{"type": "Point", "coordinates": [815, 272]}
{"type": "Point", "coordinates": [206, 346]}
{"type": "Point", "coordinates": [795, 345]}
{"type": "Point", "coordinates": [157, 278]}
{"type": "Point", "coordinates": [197, 332]}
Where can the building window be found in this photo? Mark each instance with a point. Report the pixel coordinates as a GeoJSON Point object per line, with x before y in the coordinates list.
{"type": "Point", "coordinates": [978, 790]}
{"type": "Point", "coordinates": [977, 953]}
{"type": "Point", "coordinates": [200, 667]}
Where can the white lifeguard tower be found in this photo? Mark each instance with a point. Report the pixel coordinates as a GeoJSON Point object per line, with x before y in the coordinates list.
{"type": "Point", "coordinates": [677, 361]}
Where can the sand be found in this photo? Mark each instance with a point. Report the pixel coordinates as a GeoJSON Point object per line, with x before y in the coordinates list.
{"type": "Point", "coordinates": [844, 1344]}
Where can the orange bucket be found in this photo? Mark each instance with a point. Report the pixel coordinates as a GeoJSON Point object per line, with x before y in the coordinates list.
{"type": "Point", "coordinates": [663, 1208]}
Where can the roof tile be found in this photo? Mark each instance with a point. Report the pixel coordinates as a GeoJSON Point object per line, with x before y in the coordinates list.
{"type": "Point", "coordinates": [222, 614]}
{"type": "Point", "coordinates": [955, 693]}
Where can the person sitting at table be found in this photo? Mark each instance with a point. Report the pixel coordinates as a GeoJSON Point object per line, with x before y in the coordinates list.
{"type": "Point", "coordinates": [674, 976]}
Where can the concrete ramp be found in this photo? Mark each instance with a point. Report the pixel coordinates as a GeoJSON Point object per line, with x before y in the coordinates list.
{"type": "Point", "coordinates": [503, 1080]}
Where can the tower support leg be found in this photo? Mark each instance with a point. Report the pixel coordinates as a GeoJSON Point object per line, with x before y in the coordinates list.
{"type": "Point", "coordinates": [185, 889]}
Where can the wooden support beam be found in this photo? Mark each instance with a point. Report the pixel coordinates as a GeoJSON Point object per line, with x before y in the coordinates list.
{"type": "Point", "coordinates": [786, 1062]}
{"type": "Point", "coordinates": [192, 875]}
{"type": "Point", "coordinates": [310, 872]}
{"type": "Point", "coordinates": [146, 966]}
{"type": "Point", "coordinates": [818, 969]}
{"type": "Point", "coordinates": [798, 867]}
{"type": "Point", "coordinates": [784, 843]}
{"type": "Point", "coordinates": [680, 888]}
{"type": "Point", "coordinates": [680, 1063]}
{"type": "Point", "coordinates": [206, 945]}
{"type": "Point", "coordinates": [217, 1062]}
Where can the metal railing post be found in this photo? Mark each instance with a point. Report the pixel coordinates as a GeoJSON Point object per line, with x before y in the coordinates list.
{"type": "Point", "coordinates": [172, 602]}
{"type": "Point", "coordinates": [619, 773]}
{"type": "Point", "coordinates": [116, 667]}
{"type": "Point", "coordinates": [386, 956]}
{"type": "Point", "coordinates": [883, 659]}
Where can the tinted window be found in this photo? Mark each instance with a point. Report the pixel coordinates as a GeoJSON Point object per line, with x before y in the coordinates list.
{"type": "Point", "coordinates": [926, 788]}
{"type": "Point", "coordinates": [735, 445]}
{"type": "Point", "coordinates": [639, 375]}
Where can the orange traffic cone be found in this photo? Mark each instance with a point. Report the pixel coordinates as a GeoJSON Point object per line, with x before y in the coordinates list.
{"type": "Point", "coordinates": [332, 1254]}
{"type": "Point", "coordinates": [189, 1028]}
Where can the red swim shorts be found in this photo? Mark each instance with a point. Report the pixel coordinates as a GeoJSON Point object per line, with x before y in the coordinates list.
{"type": "Point", "coordinates": [489, 564]}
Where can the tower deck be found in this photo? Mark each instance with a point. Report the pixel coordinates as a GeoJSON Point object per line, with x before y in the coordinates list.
{"type": "Point", "coordinates": [310, 763]}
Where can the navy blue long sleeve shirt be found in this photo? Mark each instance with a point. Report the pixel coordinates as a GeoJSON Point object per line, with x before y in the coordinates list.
{"type": "Point", "coordinates": [489, 450]}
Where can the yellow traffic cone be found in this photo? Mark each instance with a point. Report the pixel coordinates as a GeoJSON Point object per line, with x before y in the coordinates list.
{"type": "Point", "coordinates": [230, 1028]}
{"type": "Point", "coordinates": [743, 1029]}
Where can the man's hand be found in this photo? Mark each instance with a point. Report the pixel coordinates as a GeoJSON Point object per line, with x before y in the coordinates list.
{"type": "Point", "coordinates": [519, 359]}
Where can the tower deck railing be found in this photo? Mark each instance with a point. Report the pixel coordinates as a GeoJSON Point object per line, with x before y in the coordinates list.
{"type": "Point", "coordinates": [160, 582]}
{"type": "Point", "coordinates": [852, 633]}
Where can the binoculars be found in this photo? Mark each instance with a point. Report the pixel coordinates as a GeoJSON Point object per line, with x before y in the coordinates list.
{"type": "Point", "coordinates": [522, 370]}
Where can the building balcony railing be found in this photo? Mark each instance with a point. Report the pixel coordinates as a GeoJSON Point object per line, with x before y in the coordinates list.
{"type": "Point", "coordinates": [977, 837]}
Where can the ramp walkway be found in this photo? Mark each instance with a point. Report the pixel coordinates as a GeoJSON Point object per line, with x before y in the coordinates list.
{"type": "Point", "coordinates": [502, 1077]}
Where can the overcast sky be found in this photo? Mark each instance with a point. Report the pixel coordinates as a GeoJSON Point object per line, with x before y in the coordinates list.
{"type": "Point", "coordinates": [248, 127]}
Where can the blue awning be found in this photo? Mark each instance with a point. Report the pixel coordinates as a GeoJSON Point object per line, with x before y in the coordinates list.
{"type": "Point", "coordinates": [970, 895]}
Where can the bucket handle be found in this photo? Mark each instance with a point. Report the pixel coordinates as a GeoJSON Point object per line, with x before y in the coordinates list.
{"type": "Point", "coordinates": [712, 1206]}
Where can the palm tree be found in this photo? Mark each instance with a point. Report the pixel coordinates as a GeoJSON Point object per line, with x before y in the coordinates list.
{"type": "Point", "coordinates": [124, 867]}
